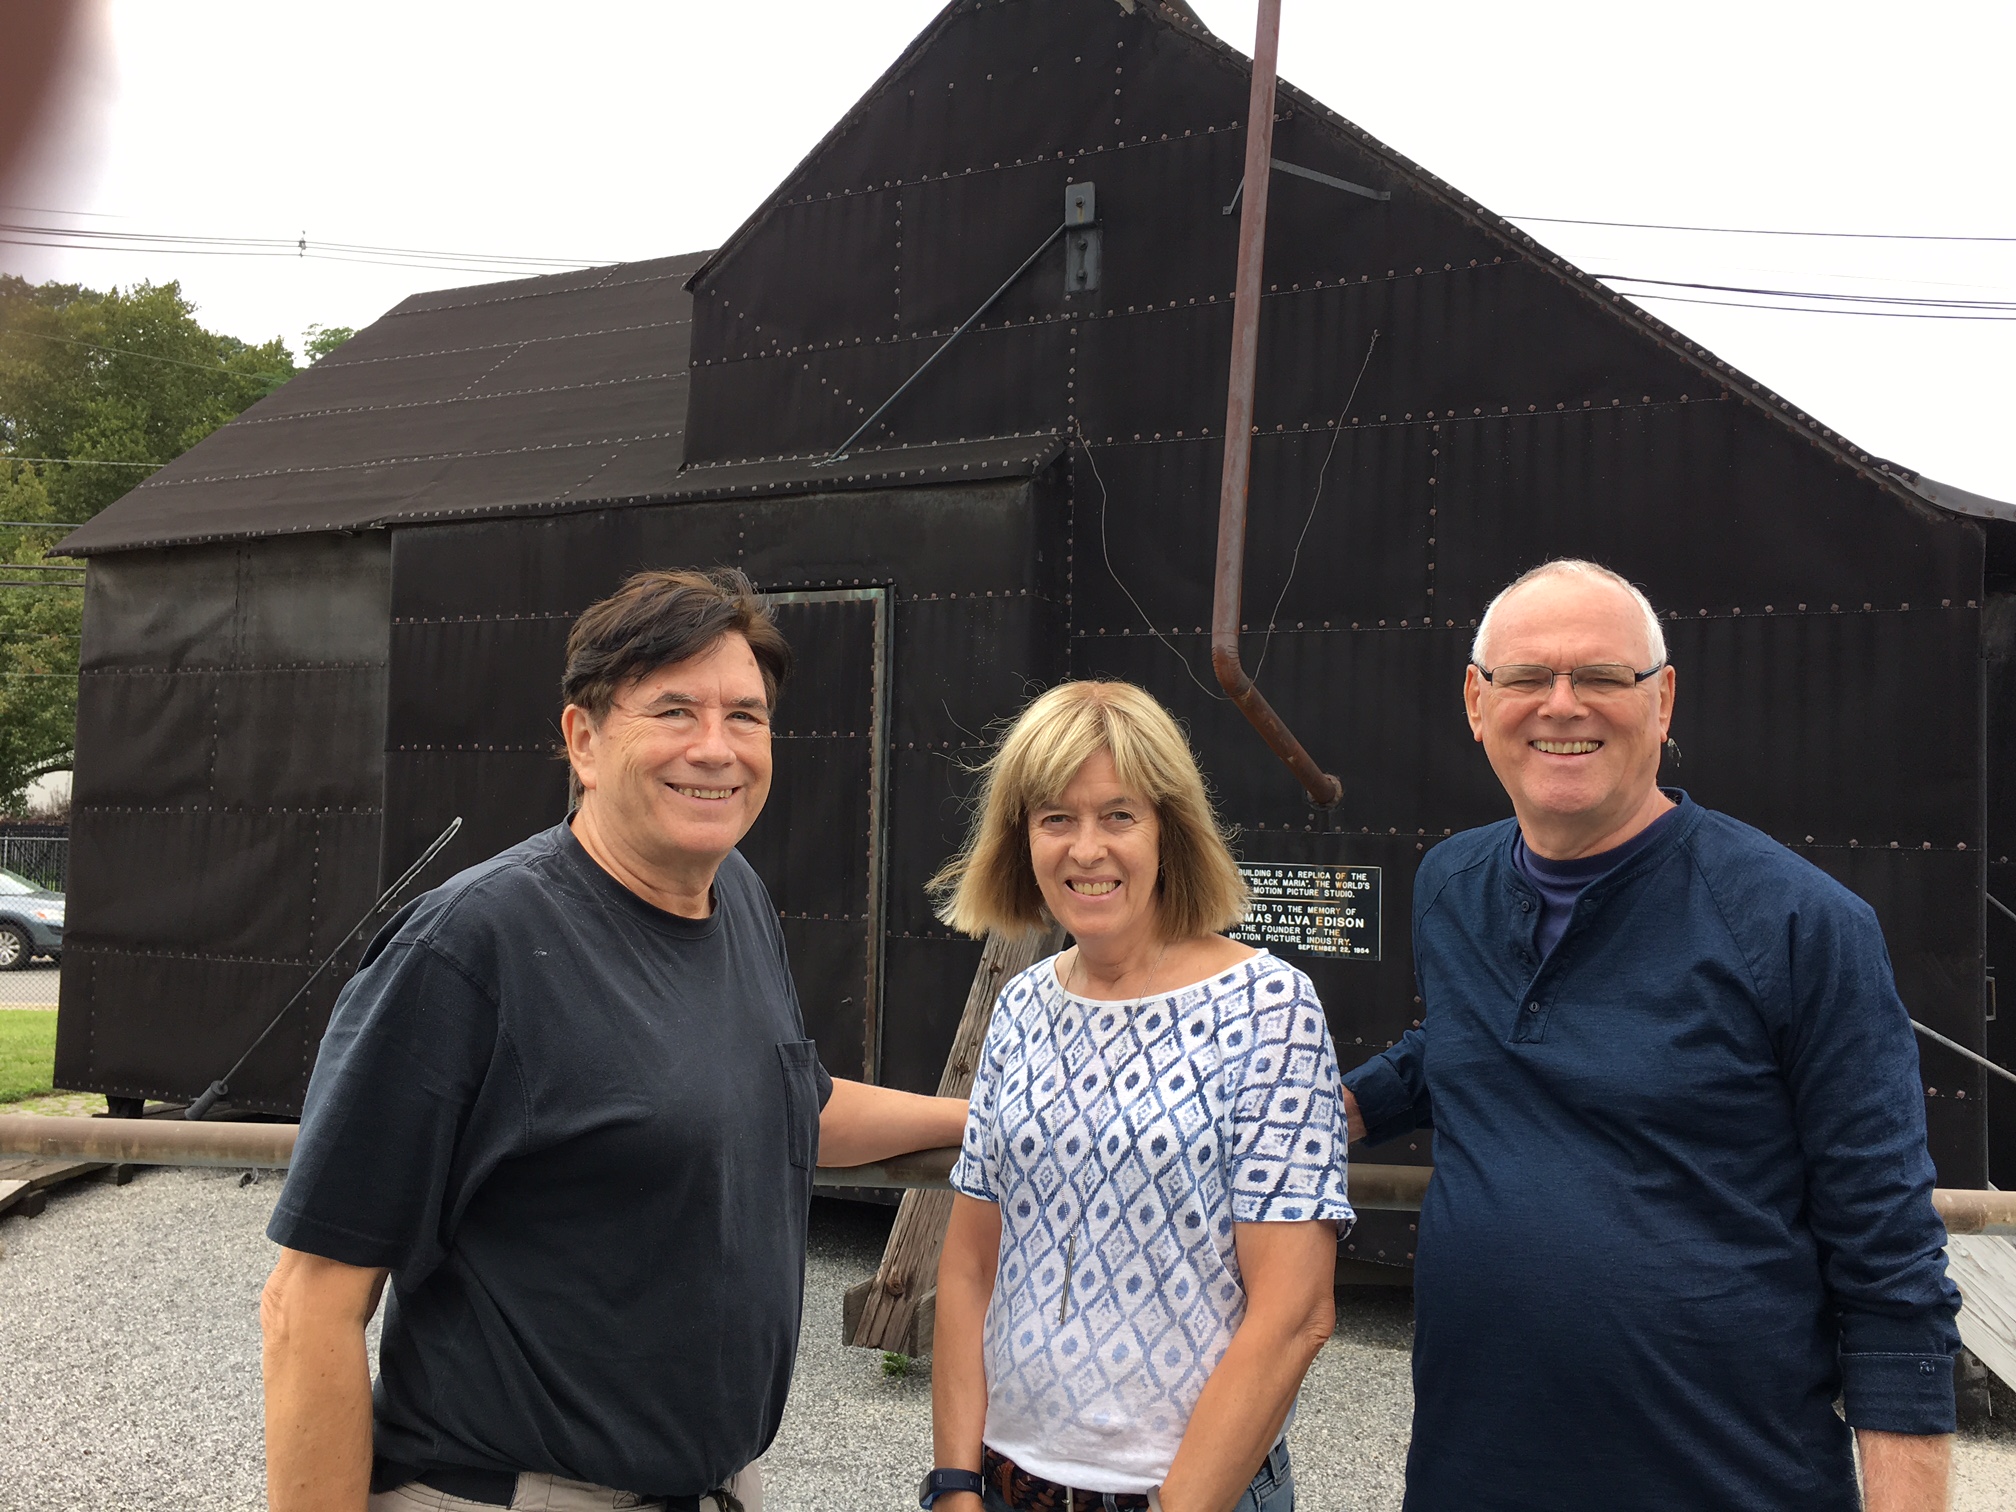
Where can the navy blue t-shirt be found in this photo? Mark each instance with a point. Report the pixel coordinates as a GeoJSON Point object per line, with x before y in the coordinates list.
{"type": "Point", "coordinates": [1560, 883]}
{"type": "Point", "coordinates": [580, 1133]}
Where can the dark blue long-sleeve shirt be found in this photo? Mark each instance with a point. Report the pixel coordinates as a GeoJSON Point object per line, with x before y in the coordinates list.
{"type": "Point", "coordinates": [1681, 1198]}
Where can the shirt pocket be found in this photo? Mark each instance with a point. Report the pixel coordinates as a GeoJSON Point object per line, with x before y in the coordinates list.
{"type": "Point", "coordinates": [798, 1060]}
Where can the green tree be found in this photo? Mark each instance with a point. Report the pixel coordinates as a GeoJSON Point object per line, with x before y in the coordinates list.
{"type": "Point", "coordinates": [96, 390]}
{"type": "Point", "coordinates": [318, 341]}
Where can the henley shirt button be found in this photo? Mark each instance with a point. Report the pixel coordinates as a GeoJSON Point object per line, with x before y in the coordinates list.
{"type": "Point", "coordinates": [1532, 1007]}
{"type": "Point", "coordinates": [1525, 905]}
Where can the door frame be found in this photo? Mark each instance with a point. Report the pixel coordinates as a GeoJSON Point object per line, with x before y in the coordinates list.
{"type": "Point", "coordinates": [878, 597]}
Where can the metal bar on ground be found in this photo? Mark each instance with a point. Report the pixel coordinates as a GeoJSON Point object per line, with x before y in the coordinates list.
{"type": "Point", "coordinates": [1228, 590]}
{"type": "Point", "coordinates": [176, 1142]}
{"type": "Point", "coordinates": [928, 1170]}
{"type": "Point", "coordinates": [148, 1141]}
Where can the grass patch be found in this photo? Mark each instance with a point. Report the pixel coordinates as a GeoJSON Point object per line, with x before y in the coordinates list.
{"type": "Point", "coordinates": [27, 1053]}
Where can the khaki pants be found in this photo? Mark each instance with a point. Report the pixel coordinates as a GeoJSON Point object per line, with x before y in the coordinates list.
{"type": "Point", "coordinates": [549, 1493]}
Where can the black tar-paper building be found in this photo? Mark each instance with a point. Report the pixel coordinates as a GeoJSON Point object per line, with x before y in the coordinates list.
{"type": "Point", "coordinates": [338, 622]}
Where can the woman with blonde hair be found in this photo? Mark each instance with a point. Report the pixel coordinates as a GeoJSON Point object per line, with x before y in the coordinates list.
{"type": "Point", "coordinates": [1139, 1264]}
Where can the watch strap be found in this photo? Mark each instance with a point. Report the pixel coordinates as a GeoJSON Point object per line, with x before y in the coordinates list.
{"type": "Point", "coordinates": [939, 1483]}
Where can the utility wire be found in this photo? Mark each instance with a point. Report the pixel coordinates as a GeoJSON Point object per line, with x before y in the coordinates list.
{"type": "Point", "coordinates": [287, 245]}
{"type": "Point", "coordinates": [1916, 301]}
{"type": "Point", "coordinates": [87, 239]}
{"type": "Point", "coordinates": [1310, 519]}
{"type": "Point", "coordinates": [1563, 220]}
{"type": "Point", "coordinates": [1114, 572]}
{"type": "Point", "coordinates": [1786, 309]}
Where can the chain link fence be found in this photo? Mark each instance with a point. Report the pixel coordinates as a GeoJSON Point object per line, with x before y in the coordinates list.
{"type": "Point", "coordinates": [42, 859]}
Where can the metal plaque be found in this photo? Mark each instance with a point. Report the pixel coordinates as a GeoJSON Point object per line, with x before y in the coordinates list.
{"type": "Point", "coordinates": [1313, 910]}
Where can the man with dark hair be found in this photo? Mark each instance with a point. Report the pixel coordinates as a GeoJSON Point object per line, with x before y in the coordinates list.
{"type": "Point", "coordinates": [568, 1106]}
{"type": "Point", "coordinates": [1682, 1200]}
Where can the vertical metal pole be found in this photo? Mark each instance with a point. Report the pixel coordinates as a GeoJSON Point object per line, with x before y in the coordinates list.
{"type": "Point", "coordinates": [1229, 587]}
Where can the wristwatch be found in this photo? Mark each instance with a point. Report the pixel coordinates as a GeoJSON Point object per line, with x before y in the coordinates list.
{"type": "Point", "coordinates": [939, 1483]}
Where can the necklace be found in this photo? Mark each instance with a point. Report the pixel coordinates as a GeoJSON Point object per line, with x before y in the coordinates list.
{"type": "Point", "coordinates": [1149, 971]}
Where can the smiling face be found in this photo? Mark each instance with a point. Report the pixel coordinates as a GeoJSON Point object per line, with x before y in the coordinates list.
{"type": "Point", "coordinates": [676, 772]}
{"type": "Point", "coordinates": [1582, 770]}
{"type": "Point", "coordinates": [1095, 851]}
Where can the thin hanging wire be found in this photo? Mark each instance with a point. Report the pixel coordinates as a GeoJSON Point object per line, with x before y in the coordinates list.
{"type": "Point", "coordinates": [1295, 560]}
{"type": "Point", "coordinates": [1106, 552]}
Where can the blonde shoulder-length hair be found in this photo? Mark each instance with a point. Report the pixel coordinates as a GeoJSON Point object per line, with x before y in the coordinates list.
{"type": "Point", "coordinates": [991, 885]}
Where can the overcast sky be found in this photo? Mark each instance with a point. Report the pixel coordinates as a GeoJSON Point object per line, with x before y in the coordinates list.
{"type": "Point", "coordinates": [625, 130]}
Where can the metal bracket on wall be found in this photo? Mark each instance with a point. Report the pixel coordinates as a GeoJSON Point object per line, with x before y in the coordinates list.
{"type": "Point", "coordinates": [1087, 204]}
{"type": "Point", "coordinates": [1081, 239]}
{"type": "Point", "coordinates": [1314, 177]}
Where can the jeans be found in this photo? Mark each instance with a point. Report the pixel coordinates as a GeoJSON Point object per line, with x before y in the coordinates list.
{"type": "Point", "coordinates": [1273, 1489]}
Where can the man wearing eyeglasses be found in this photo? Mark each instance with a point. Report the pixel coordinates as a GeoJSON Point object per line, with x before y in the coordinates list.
{"type": "Point", "coordinates": [1682, 1200]}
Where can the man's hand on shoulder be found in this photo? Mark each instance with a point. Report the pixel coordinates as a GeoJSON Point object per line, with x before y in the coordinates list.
{"type": "Point", "coordinates": [1904, 1472]}
{"type": "Point", "coordinates": [862, 1123]}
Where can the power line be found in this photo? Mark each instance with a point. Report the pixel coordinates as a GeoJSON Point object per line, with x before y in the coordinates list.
{"type": "Point", "coordinates": [1563, 220]}
{"type": "Point", "coordinates": [290, 245]}
{"type": "Point", "coordinates": [1786, 309]}
{"type": "Point", "coordinates": [492, 270]}
{"type": "Point", "coordinates": [42, 524]}
{"type": "Point", "coordinates": [1880, 299]}
{"type": "Point", "coordinates": [84, 239]}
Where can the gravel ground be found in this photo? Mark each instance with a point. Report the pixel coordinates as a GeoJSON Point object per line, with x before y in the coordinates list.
{"type": "Point", "coordinates": [129, 1369]}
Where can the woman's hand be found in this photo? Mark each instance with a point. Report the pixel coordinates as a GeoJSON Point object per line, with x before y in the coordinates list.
{"type": "Point", "coordinates": [966, 1269]}
{"type": "Point", "coordinates": [1290, 1272]}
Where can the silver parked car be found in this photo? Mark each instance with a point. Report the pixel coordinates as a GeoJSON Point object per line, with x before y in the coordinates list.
{"type": "Point", "coordinates": [31, 921]}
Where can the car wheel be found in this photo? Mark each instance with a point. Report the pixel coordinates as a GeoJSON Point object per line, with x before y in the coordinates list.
{"type": "Point", "coordinates": [14, 947]}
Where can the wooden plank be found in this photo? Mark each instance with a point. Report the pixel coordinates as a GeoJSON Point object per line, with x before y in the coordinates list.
{"type": "Point", "coordinates": [886, 1311]}
{"type": "Point", "coordinates": [1984, 1268]}
{"type": "Point", "coordinates": [41, 1174]}
{"type": "Point", "coordinates": [11, 1191]}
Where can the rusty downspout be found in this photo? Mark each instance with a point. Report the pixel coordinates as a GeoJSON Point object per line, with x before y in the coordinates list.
{"type": "Point", "coordinates": [1229, 588]}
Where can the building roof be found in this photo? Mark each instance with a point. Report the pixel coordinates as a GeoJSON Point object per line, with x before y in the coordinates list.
{"type": "Point", "coordinates": [537, 391]}
{"type": "Point", "coordinates": [570, 391]}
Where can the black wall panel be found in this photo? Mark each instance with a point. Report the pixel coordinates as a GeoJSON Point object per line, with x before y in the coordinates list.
{"type": "Point", "coordinates": [227, 809]}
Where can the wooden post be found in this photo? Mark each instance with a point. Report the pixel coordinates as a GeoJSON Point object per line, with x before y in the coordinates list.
{"type": "Point", "coordinates": [893, 1310]}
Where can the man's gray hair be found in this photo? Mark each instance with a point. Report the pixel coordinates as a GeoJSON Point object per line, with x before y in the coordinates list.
{"type": "Point", "coordinates": [1575, 567]}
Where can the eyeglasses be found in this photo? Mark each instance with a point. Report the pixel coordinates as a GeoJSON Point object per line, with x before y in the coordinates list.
{"type": "Point", "coordinates": [1597, 680]}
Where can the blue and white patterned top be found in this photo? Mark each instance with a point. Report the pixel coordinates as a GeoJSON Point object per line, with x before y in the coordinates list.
{"type": "Point", "coordinates": [1122, 1141]}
